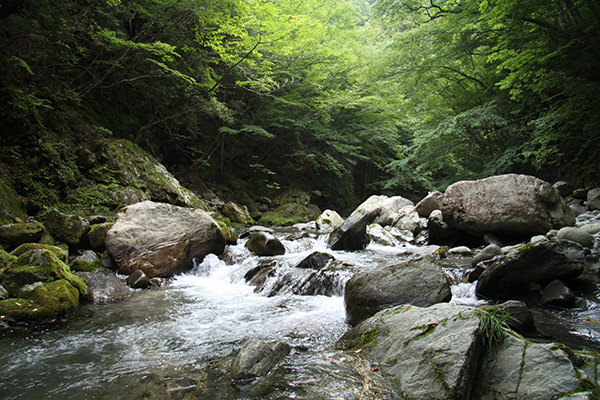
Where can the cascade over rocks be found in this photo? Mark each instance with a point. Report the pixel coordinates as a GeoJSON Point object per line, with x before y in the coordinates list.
{"type": "Point", "coordinates": [161, 239]}
{"type": "Point", "coordinates": [509, 204]}
{"type": "Point", "coordinates": [352, 234]}
{"type": "Point", "coordinates": [509, 276]}
{"type": "Point", "coordinates": [420, 282]}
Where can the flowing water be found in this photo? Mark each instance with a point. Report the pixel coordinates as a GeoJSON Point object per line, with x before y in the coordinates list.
{"type": "Point", "coordinates": [178, 340]}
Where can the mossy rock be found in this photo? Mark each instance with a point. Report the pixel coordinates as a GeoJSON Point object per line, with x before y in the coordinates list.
{"type": "Point", "coordinates": [10, 206]}
{"type": "Point", "coordinates": [5, 258]}
{"type": "Point", "coordinates": [293, 207]}
{"type": "Point", "coordinates": [71, 229]}
{"type": "Point", "coordinates": [46, 301]}
{"type": "Point", "coordinates": [229, 232]}
{"type": "Point", "coordinates": [238, 215]}
{"type": "Point", "coordinates": [13, 235]}
{"type": "Point", "coordinates": [25, 247]}
{"type": "Point", "coordinates": [97, 235]}
{"type": "Point", "coordinates": [127, 163]}
{"type": "Point", "coordinates": [82, 265]}
{"type": "Point", "coordinates": [37, 266]}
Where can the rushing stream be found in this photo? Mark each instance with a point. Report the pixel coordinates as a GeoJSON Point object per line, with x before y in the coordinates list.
{"type": "Point", "coordinates": [176, 340]}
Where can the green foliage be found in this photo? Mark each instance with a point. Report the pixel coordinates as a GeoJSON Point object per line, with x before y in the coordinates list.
{"type": "Point", "coordinates": [494, 325]}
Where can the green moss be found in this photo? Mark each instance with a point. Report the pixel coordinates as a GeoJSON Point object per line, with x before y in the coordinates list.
{"type": "Point", "coordinates": [84, 265]}
{"type": "Point", "coordinates": [293, 208]}
{"type": "Point", "coordinates": [13, 235]}
{"type": "Point", "coordinates": [5, 258]}
{"type": "Point", "coordinates": [97, 235]}
{"type": "Point", "coordinates": [368, 338]}
{"type": "Point", "coordinates": [10, 206]}
{"type": "Point", "coordinates": [24, 248]}
{"type": "Point", "coordinates": [38, 266]}
{"type": "Point", "coordinates": [229, 232]}
{"type": "Point", "coordinates": [526, 247]}
{"type": "Point", "coordinates": [21, 310]}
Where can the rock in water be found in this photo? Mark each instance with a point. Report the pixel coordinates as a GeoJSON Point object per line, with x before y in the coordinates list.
{"type": "Point", "coordinates": [352, 234]}
{"type": "Point", "coordinates": [265, 244]}
{"type": "Point", "coordinates": [104, 287]}
{"type": "Point", "coordinates": [419, 282]}
{"type": "Point", "coordinates": [256, 358]}
{"type": "Point", "coordinates": [510, 204]}
{"type": "Point", "coordinates": [428, 353]}
{"type": "Point", "coordinates": [161, 239]}
{"type": "Point", "coordinates": [509, 276]}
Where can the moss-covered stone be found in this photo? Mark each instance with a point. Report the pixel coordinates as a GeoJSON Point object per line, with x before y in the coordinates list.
{"type": "Point", "coordinates": [46, 301]}
{"type": "Point", "coordinates": [25, 247]}
{"type": "Point", "coordinates": [13, 235]}
{"type": "Point", "coordinates": [237, 215]}
{"type": "Point", "coordinates": [10, 206]}
{"type": "Point", "coordinates": [71, 229]}
{"type": "Point", "coordinates": [97, 235]}
{"type": "Point", "coordinates": [127, 163]}
{"type": "Point", "coordinates": [82, 265]}
{"type": "Point", "coordinates": [293, 207]}
{"type": "Point", "coordinates": [5, 258]}
{"type": "Point", "coordinates": [229, 233]}
{"type": "Point", "coordinates": [37, 266]}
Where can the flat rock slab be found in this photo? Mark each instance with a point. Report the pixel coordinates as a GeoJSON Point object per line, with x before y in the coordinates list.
{"type": "Point", "coordinates": [161, 239]}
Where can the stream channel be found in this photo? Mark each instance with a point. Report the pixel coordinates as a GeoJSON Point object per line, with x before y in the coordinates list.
{"type": "Point", "coordinates": [177, 341]}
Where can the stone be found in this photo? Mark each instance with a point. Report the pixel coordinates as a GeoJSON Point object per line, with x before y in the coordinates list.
{"type": "Point", "coordinates": [329, 221]}
{"type": "Point", "coordinates": [317, 260]}
{"type": "Point", "coordinates": [420, 282]}
{"type": "Point", "coordinates": [593, 199]}
{"type": "Point", "coordinates": [104, 287]}
{"type": "Point", "coordinates": [265, 244]}
{"type": "Point", "coordinates": [523, 370]}
{"type": "Point", "coordinates": [14, 235]}
{"type": "Point", "coordinates": [162, 239]}
{"type": "Point", "coordinates": [138, 280]}
{"type": "Point", "coordinates": [87, 261]}
{"type": "Point", "coordinates": [522, 319]}
{"type": "Point", "coordinates": [3, 293]}
{"type": "Point", "coordinates": [591, 228]}
{"type": "Point", "coordinates": [37, 266]}
{"type": "Point", "coordinates": [487, 253]}
{"type": "Point", "coordinates": [563, 188]}
{"type": "Point", "coordinates": [433, 201]}
{"type": "Point", "coordinates": [439, 231]}
{"type": "Point", "coordinates": [558, 294]}
{"type": "Point", "coordinates": [427, 353]}
{"type": "Point", "coordinates": [97, 235]}
{"type": "Point", "coordinates": [407, 219]}
{"type": "Point", "coordinates": [577, 208]}
{"type": "Point", "coordinates": [460, 250]}
{"type": "Point", "coordinates": [11, 209]}
{"type": "Point", "coordinates": [257, 358]}
{"type": "Point", "coordinates": [381, 235]}
{"type": "Point", "coordinates": [352, 234]}
{"type": "Point", "coordinates": [62, 254]}
{"type": "Point", "coordinates": [576, 235]}
{"type": "Point", "coordinates": [580, 193]}
{"type": "Point", "coordinates": [71, 229]}
{"type": "Point", "coordinates": [509, 276]}
{"type": "Point", "coordinates": [509, 204]}
{"type": "Point", "coordinates": [237, 214]}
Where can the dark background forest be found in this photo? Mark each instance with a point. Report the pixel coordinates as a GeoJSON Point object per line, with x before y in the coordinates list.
{"type": "Point", "coordinates": [336, 98]}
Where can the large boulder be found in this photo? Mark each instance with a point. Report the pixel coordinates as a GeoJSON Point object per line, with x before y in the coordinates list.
{"type": "Point", "coordinates": [427, 353]}
{"type": "Point", "coordinates": [161, 239]}
{"type": "Point", "coordinates": [509, 276]}
{"type": "Point", "coordinates": [352, 234]}
{"type": "Point", "coordinates": [420, 282]}
{"type": "Point", "coordinates": [329, 221]}
{"type": "Point", "coordinates": [265, 244]}
{"type": "Point", "coordinates": [510, 204]}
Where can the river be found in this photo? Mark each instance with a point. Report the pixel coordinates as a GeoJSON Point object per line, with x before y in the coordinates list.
{"type": "Point", "coordinates": [177, 341]}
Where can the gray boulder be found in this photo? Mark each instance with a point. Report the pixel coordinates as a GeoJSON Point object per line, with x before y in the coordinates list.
{"type": "Point", "coordinates": [138, 280]}
{"type": "Point", "coordinates": [329, 221]}
{"type": "Point", "coordinates": [591, 228]}
{"type": "Point", "coordinates": [420, 282]}
{"type": "Point", "coordinates": [161, 239]}
{"type": "Point", "coordinates": [256, 358]}
{"type": "Point", "coordinates": [104, 287]}
{"type": "Point", "coordinates": [433, 201]}
{"type": "Point", "coordinates": [510, 204]}
{"type": "Point", "coordinates": [593, 199]}
{"type": "Point", "coordinates": [265, 244]}
{"type": "Point", "coordinates": [428, 353]}
{"type": "Point", "coordinates": [509, 276]}
{"type": "Point", "coordinates": [576, 207]}
{"type": "Point", "coordinates": [352, 234]}
{"type": "Point", "coordinates": [576, 235]}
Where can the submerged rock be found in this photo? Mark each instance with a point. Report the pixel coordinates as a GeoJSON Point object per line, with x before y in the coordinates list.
{"type": "Point", "coordinates": [256, 358]}
{"type": "Point", "coordinates": [509, 204]}
{"type": "Point", "coordinates": [509, 276]}
{"type": "Point", "coordinates": [420, 282]}
{"type": "Point", "coordinates": [161, 239]}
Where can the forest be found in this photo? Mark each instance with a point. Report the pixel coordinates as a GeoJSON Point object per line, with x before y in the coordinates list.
{"type": "Point", "coordinates": [337, 98]}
